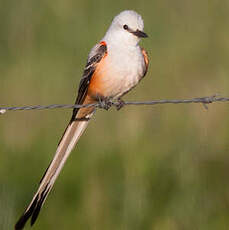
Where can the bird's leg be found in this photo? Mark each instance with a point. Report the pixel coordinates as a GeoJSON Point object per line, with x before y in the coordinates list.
{"type": "Point", "coordinates": [105, 103]}
{"type": "Point", "coordinates": [120, 103]}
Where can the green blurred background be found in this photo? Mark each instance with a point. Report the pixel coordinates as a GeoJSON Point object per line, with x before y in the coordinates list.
{"type": "Point", "coordinates": [160, 167]}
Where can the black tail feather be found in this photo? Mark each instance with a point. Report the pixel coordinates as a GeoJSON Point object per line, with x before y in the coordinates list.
{"type": "Point", "coordinates": [26, 215]}
{"type": "Point", "coordinates": [39, 205]}
{"type": "Point", "coordinates": [33, 210]}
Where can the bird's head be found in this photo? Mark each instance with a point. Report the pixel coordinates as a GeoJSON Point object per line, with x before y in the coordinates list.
{"type": "Point", "coordinates": [127, 27]}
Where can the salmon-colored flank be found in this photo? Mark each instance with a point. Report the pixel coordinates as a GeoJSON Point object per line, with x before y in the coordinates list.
{"type": "Point", "coordinates": [146, 59]}
{"type": "Point", "coordinates": [96, 87]}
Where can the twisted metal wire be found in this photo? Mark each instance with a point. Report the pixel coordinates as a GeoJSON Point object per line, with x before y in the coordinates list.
{"type": "Point", "coordinates": [118, 104]}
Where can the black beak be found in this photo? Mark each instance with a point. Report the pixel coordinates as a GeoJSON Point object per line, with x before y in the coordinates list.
{"type": "Point", "coordinates": [139, 34]}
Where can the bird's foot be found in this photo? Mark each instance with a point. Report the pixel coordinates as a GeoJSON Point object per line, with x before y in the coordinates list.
{"type": "Point", "coordinates": [105, 103]}
{"type": "Point", "coordinates": [120, 103]}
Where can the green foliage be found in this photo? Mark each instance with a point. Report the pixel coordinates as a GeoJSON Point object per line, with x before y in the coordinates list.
{"type": "Point", "coordinates": [162, 167]}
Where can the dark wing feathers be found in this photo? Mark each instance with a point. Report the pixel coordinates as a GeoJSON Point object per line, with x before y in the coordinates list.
{"type": "Point", "coordinates": [99, 53]}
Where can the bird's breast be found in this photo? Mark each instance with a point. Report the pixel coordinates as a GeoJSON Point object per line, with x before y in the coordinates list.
{"type": "Point", "coordinates": [117, 73]}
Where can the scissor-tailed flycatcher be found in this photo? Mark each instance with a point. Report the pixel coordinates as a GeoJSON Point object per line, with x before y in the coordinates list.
{"type": "Point", "coordinates": [114, 66]}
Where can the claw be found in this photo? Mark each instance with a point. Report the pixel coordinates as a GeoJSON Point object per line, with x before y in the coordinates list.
{"type": "Point", "coordinates": [105, 103]}
{"type": "Point", "coordinates": [120, 104]}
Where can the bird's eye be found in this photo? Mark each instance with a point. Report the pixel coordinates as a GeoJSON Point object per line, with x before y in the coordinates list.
{"type": "Point", "coordinates": [125, 27]}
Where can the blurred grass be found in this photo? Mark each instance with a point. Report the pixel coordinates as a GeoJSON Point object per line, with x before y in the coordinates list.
{"type": "Point", "coordinates": [164, 167]}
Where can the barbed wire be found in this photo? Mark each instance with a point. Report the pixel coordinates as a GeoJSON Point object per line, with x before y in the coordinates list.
{"type": "Point", "coordinates": [119, 104]}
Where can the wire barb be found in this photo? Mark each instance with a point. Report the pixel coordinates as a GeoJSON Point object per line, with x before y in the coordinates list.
{"type": "Point", "coordinates": [109, 103]}
{"type": "Point", "coordinates": [2, 111]}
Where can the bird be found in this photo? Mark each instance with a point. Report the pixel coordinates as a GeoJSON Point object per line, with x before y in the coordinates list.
{"type": "Point", "coordinates": [114, 66]}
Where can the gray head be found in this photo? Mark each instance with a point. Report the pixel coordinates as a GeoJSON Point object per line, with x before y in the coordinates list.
{"type": "Point", "coordinates": [127, 27]}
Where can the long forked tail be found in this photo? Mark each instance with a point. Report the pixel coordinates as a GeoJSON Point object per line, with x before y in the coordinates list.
{"type": "Point", "coordinates": [72, 134]}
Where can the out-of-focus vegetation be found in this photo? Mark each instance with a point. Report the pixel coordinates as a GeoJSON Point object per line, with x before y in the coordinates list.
{"type": "Point", "coordinates": [162, 167]}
